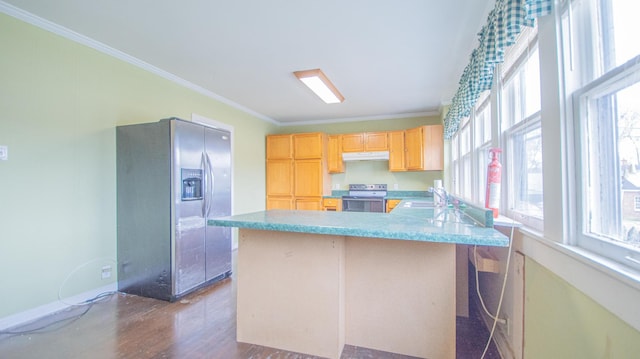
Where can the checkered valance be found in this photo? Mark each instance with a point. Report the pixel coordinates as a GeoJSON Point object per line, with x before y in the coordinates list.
{"type": "Point", "coordinates": [503, 25]}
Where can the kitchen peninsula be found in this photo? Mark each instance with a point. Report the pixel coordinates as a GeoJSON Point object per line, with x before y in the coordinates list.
{"type": "Point", "coordinates": [313, 281]}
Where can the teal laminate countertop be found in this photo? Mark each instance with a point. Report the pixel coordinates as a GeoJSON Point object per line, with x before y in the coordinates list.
{"type": "Point", "coordinates": [440, 225]}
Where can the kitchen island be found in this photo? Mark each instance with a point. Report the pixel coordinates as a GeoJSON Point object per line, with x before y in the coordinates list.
{"type": "Point", "coordinates": [312, 281]}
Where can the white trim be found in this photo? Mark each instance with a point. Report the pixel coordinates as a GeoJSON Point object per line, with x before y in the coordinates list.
{"type": "Point", "coordinates": [47, 309]}
{"type": "Point", "coordinates": [211, 122]}
{"type": "Point", "coordinates": [595, 276]}
{"type": "Point", "coordinates": [96, 45]}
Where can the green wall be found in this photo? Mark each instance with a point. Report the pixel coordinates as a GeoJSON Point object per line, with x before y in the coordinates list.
{"type": "Point", "coordinates": [375, 171]}
{"type": "Point", "coordinates": [562, 322]}
{"type": "Point", "coordinates": [59, 103]}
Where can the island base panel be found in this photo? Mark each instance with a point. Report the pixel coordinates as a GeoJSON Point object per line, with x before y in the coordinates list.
{"type": "Point", "coordinates": [400, 296]}
{"type": "Point", "coordinates": [290, 291]}
{"type": "Point", "coordinates": [312, 293]}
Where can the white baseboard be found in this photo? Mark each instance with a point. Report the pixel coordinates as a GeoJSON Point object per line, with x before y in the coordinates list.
{"type": "Point", "coordinates": [43, 310]}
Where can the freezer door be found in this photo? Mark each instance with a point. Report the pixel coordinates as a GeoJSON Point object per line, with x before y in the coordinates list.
{"type": "Point", "coordinates": [188, 226]}
{"type": "Point", "coordinates": [218, 190]}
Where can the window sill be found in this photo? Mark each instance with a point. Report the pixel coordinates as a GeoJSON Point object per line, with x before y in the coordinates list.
{"type": "Point", "coordinates": [595, 276]}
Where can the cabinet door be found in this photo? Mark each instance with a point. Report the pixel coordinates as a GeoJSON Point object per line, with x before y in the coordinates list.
{"type": "Point", "coordinates": [335, 163]}
{"type": "Point", "coordinates": [308, 178]}
{"type": "Point", "coordinates": [425, 148]}
{"type": "Point", "coordinates": [392, 203]}
{"type": "Point", "coordinates": [332, 204]}
{"type": "Point", "coordinates": [414, 144]}
{"type": "Point", "coordinates": [396, 151]}
{"type": "Point", "coordinates": [279, 147]}
{"type": "Point", "coordinates": [309, 204]}
{"type": "Point", "coordinates": [376, 141]}
{"type": "Point", "coordinates": [279, 177]}
{"type": "Point", "coordinates": [279, 202]}
{"type": "Point", "coordinates": [353, 142]}
{"type": "Point", "coordinates": [434, 147]}
{"type": "Point", "coordinates": [308, 145]}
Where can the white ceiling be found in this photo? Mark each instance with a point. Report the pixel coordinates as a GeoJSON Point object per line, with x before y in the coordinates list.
{"type": "Point", "coordinates": [387, 57]}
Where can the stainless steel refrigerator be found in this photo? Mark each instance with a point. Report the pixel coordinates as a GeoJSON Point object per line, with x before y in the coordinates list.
{"type": "Point", "coordinates": [172, 175]}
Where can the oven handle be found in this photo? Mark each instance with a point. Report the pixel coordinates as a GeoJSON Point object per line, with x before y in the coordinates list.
{"type": "Point", "coordinates": [368, 199]}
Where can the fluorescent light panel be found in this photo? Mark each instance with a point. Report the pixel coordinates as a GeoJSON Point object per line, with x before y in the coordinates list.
{"type": "Point", "coordinates": [319, 83]}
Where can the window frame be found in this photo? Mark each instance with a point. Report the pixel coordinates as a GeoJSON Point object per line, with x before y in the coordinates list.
{"type": "Point", "coordinates": [513, 70]}
{"type": "Point", "coordinates": [462, 185]}
{"type": "Point", "coordinates": [614, 80]}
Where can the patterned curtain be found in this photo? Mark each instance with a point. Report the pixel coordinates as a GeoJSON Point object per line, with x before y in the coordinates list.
{"type": "Point", "coordinates": [503, 25]}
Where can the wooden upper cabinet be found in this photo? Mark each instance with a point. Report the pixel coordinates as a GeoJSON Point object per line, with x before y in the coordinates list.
{"type": "Point", "coordinates": [334, 157]}
{"type": "Point", "coordinates": [396, 151]}
{"type": "Point", "coordinates": [309, 204]}
{"type": "Point", "coordinates": [434, 147]}
{"type": "Point", "coordinates": [309, 145]}
{"type": "Point", "coordinates": [279, 147]}
{"type": "Point", "coordinates": [364, 142]}
{"type": "Point", "coordinates": [353, 142]}
{"type": "Point", "coordinates": [424, 148]}
{"type": "Point", "coordinates": [376, 141]}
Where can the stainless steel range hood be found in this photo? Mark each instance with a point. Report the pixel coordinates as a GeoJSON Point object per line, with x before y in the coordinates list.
{"type": "Point", "coordinates": [366, 156]}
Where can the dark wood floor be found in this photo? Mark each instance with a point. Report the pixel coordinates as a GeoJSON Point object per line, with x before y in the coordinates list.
{"type": "Point", "coordinates": [202, 325]}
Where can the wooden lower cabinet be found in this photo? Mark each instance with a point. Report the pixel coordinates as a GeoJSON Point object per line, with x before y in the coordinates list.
{"type": "Point", "coordinates": [279, 178]}
{"type": "Point", "coordinates": [332, 204]}
{"type": "Point", "coordinates": [280, 202]}
{"type": "Point", "coordinates": [310, 204]}
{"type": "Point", "coordinates": [391, 204]}
{"type": "Point", "coordinates": [308, 178]}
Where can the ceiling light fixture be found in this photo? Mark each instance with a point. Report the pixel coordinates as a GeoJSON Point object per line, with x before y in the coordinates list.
{"type": "Point", "coordinates": [319, 83]}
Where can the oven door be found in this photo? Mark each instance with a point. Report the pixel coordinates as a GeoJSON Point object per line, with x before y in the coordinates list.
{"type": "Point", "coordinates": [363, 204]}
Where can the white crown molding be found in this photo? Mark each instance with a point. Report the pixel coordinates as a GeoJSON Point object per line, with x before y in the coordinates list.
{"type": "Point", "coordinates": [87, 41]}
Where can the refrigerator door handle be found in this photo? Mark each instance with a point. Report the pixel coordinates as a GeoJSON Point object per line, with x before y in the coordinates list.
{"type": "Point", "coordinates": [203, 162]}
{"type": "Point", "coordinates": [210, 185]}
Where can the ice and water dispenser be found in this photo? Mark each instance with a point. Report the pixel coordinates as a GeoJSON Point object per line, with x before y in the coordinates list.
{"type": "Point", "coordinates": [191, 184]}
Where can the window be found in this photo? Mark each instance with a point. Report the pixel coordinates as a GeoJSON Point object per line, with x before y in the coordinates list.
{"type": "Point", "coordinates": [461, 160]}
{"type": "Point", "coordinates": [521, 131]}
{"type": "Point", "coordinates": [603, 81]}
{"type": "Point", "coordinates": [481, 144]}
{"type": "Point", "coordinates": [470, 151]}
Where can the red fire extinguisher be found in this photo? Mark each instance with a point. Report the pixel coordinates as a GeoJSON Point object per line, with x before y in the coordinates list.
{"type": "Point", "coordinates": [494, 175]}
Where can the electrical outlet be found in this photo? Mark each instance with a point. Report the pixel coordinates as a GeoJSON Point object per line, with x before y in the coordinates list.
{"type": "Point", "coordinates": [4, 153]}
{"type": "Point", "coordinates": [106, 272]}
